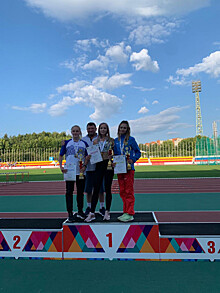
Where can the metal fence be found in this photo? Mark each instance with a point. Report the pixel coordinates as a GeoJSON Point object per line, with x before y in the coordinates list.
{"type": "Point", "coordinates": [25, 155]}
{"type": "Point", "coordinates": [168, 150]}
{"type": "Point", "coordinates": [43, 154]}
{"type": "Point", "coordinates": [206, 146]}
{"type": "Point", "coordinates": [202, 146]}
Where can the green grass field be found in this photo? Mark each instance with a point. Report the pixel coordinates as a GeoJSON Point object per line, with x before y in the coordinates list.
{"type": "Point", "coordinates": [174, 171]}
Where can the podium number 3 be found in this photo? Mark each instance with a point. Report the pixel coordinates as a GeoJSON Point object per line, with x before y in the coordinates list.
{"type": "Point", "coordinates": [109, 235]}
{"type": "Point", "coordinates": [17, 239]}
{"type": "Point", "coordinates": [211, 245]}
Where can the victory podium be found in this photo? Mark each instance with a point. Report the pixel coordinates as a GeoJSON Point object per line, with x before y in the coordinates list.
{"type": "Point", "coordinates": [151, 236]}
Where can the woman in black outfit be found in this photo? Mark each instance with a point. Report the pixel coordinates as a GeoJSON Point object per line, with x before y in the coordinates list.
{"type": "Point", "coordinates": [105, 143]}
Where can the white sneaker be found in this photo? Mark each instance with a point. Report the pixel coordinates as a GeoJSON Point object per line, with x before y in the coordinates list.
{"type": "Point", "coordinates": [106, 216]}
{"type": "Point", "coordinates": [90, 218]}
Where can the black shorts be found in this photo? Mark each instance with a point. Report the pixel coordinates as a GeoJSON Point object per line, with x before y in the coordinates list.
{"type": "Point", "coordinates": [90, 181]}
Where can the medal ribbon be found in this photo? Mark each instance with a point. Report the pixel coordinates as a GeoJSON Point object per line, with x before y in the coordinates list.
{"type": "Point", "coordinates": [121, 146]}
{"type": "Point", "coordinates": [101, 145]}
{"type": "Point", "coordinates": [76, 143]}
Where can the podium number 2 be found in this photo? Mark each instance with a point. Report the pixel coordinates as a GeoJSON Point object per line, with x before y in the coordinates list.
{"type": "Point", "coordinates": [211, 245]}
{"type": "Point", "coordinates": [109, 235]}
{"type": "Point", "coordinates": [17, 239]}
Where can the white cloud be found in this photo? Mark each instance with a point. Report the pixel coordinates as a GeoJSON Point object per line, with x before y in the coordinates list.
{"type": "Point", "coordinates": [20, 108]}
{"type": "Point", "coordinates": [61, 107]}
{"type": "Point", "coordinates": [178, 80]}
{"type": "Point", "coordinates": [86, 44]}
{"type": "Point", "coordinates": [34, 108]}
{"type": "Point", "coordinates": [102, 82]}
{"type": "Point", "coordinates": [216, 43]}
{"type": "Point", "coordinates": [155, 123]}
{"type": "Point", "coordinates": [73, 10]}
{"type": "Point", "coordinates": [142, 89]}
{"type": "Point", "coordinates": [166, 119]}
{"type": "Point", "coordinates": [155, 102]}
{"type": "Point", "coordinates": [38, 108]}
{"type": "Point", "coordinates": [172, 132]}
{"type": "Point", "coordinates": [142, 61]}
{"type": "Point", "coordinates": [94, 65]}
{"type": "Point", "coordinates": [115, 81]}
{"type": "Point", "coordinates": [114, 55]}
{"type": "Point", "coordinates": [151, 33]}
{"type": "Point", "coordinates": [117, 53]}
{"type": "Point", "coordinates": [180, 125]}
{"type": "Point", "coordinates": [104, 104]}
{"type": "Point", "coordinates": [51, 96]}
{"type": "Point", "coordinates": [143, 110]}
{"type": "Point", "coordinates": [71, 87]}
{"type": "Point", "coordinates": [99, 64]}
{"type": "Point", "coordinates": [81, 92]}
{"type": "Point", "coordinates": [209, 65]}
{"type": "Point", "coordinates": [75, 63]}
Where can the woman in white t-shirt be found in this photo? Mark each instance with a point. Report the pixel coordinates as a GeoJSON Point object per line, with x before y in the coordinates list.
{"type": "Point", "coordinates": [75, 150]}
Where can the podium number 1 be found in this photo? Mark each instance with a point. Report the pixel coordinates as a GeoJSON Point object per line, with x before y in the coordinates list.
{"type": "Point", "coordinates": [109, 235]}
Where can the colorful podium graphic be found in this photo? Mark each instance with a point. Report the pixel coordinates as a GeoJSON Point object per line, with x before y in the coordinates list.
{"type": "Point", "coordinates": [31, 238]}
{"type": "Point", "coordinates": [31, 244]}
{"type": "Point", "coordinates": [111, 241]}
{"type": "Point", "coordinates": [146, 238]}
{"type": "Point", "coordinates": [190, 241]}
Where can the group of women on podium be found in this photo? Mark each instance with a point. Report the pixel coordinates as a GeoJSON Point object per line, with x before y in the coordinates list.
{"type": "Point", "coordinates": [104, 170]}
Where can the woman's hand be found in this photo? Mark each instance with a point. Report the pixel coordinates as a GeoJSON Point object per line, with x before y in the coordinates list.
{"type": "Point", "coordinates": [130, 161]}
{"type": "Point", "coordinates": [83, 169]}
{"type": "Point", "coordinates": [62, 142]}
{"type": "Point", "coordinates": [63, 170]}
{"type": "Point", "coordinates": [88, 158]}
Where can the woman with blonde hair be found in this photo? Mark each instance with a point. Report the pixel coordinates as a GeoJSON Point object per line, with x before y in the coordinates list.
{"type": "Point", "coordinates": [127, 145]}
{"type": "Point", "coordinates": [75, 151]}
{"type": "Point", "coordinates": [105, 143]}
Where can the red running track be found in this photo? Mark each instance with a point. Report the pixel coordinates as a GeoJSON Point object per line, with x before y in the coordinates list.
{"type": "Point", "coordinates": [161, 217]}
{"type": "Point", "coordinates": [185, 185]}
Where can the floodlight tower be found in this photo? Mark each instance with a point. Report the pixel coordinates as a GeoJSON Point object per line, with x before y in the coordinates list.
{"type": "Point", "coordinates": [214, 128]}
{"type": "Point", "coordinates": [196, 88]}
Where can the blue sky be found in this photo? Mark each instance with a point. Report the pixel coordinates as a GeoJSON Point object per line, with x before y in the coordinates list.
{"type": "Point", "coordinates": [71, 62]}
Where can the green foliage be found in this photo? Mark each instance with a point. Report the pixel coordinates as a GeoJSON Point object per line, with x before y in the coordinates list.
{"type": "Point", "coordinates": [34, 140]}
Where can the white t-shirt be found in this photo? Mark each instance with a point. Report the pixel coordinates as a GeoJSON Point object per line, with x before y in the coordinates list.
{"type": "Point", "coordinates": [73, 150]}
{"type": "Point", "coordinates": [90, 167]}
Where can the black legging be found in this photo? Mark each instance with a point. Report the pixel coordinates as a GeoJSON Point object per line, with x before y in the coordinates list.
{"type": "Point", "coordinates": [80, 185]}
{"type": "Point", "coordinates": [100, 173]}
